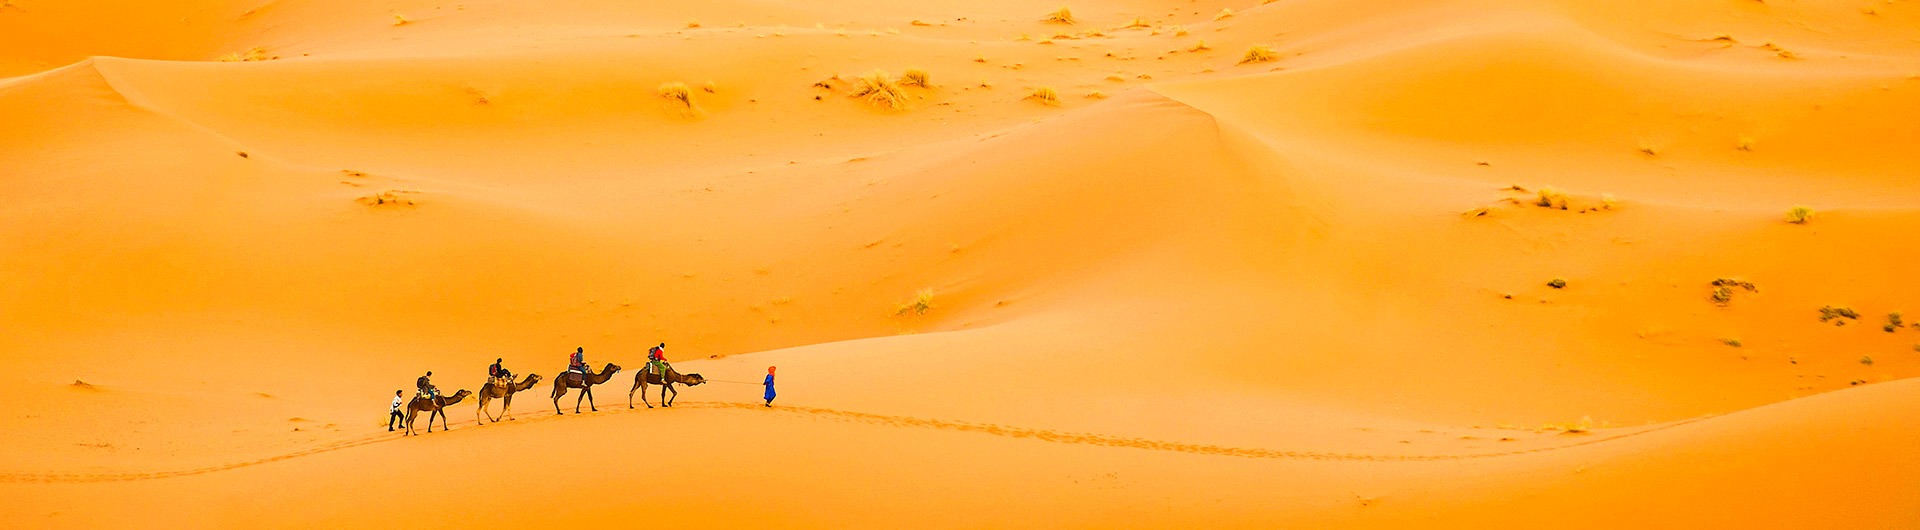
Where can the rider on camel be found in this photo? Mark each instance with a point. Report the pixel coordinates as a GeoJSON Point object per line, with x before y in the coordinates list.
{"type": "Point", "coordinates": [425, 384]}
{"type": "Point", "coordinates": [578, 361]}
{"type": "Point", "coordinates": [497, 373]}
{"type": "Point", "coordinates": [657, 358]}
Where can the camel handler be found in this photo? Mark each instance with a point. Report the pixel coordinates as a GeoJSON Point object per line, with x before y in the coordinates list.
{"type": "Point", "coordinates": [657, 359]}
{"type": "Point", "coordinates": [425, 384]}
{"type": "Point", "coordinates": [769, 383]}
{"type": "Point", "coordinates": [393, 413]}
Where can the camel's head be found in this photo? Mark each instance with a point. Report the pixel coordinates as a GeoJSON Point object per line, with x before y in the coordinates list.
{"type": "Point", "coordinates": [462, 394]}
{"type": "Point", "coordinates": [611, 368]}
{"type": "Point", "coordinates": [695, 379]}
{"type": "Point", "coordinates": [533, 378]}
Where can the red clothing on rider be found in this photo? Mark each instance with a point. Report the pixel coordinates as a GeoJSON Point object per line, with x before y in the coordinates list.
{"type": "Point", "coordinates": [577, 361]}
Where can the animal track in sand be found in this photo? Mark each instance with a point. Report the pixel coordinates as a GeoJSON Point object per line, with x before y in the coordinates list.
{"type": "Point", "coordinates": [1045, 435]}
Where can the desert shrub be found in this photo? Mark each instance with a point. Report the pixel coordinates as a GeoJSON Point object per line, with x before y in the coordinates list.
{"type": "Point", "coordinates": [1574, 427]}
{"type": "Point", "coordinates": [915, 77]}
{"type": "Point", "coordinates": [1731, 342]}
{"type": "Point", "coordinates": [1045, 95]}
{"type": "Point", "coordinates": [1062, 16]}
{"type": "Point", "coordinates": [1557, 283]}
{"type": "Point", "coordinates": [1723, 289]}
{"type": "Point", "coordinates": [1259, 53]}
{"type": "Point", "coordinates": [677, 94]}
{"type": "Point", "coordinates": [255, 53]}
{"type": "Point", "coordinates": [1551, 197]}
{"type": "Point", "coordinates": [1799, 215]}
{"type": "Point", "coordinates": [921, 303]}
{"type": "Point", "coordinates": [880, 90]}
{"type": "Point", "coordinates": [1838, 315]}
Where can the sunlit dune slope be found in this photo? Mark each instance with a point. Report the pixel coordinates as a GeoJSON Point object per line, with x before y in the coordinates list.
{"type": "Point", "coordinates": [1296, 263]}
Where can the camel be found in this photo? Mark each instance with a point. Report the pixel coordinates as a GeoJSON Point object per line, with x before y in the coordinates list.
{"type": "Point", "coordinates": [646, 377]}
{"type": "Point", "coordinates": [434, 407]}
{"type": "Point", "coordinates": [585, 384]}
{"type": "Point", "coordinates": [491, 391]}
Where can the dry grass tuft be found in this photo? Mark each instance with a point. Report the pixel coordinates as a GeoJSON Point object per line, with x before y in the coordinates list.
{"type": "Point", "coordinates": [1259, 53]}
{"type": "Point", "coordinates": [915, 77]}
{"type": "Point", "coordinates": [1608, 202]}
{"type": "Point", "coordinates": [399, 19]}
{"type": "Point", "coordinates": [1476, 212]}
{"type": "Point", "coordinates": [386, 198]}
{"type": "Point", "coordinates": [677, 94]}
{"type": "Point", "coordinates": [880, 90]}
{"type": "Point", "coordinates": [1045, 95]}
{"type": "Point", "coordinates": [1551, 197]}
{"type": "Point", "coordinates": [1731, 342]}
{"type": "Point", "coordinates": [1893, 322]}
{"type": "Point", "coordinates": [1723, 289]}
{"type": "Point", "coordinates": [1571, 427]}
{"type": "Point", "coordinates": [1838, 315]}
{"type": "Point", "coordinates": [1063, 16]}
{"type": "Point", "coordinates": [1137, 22]}
{"type": "Point", "coordinates": [1199, 46]}
{"type": "Point", "coordinates": [1225, 12]}
{"type": "Point", "coordinates": [255, 53]}
{"type": "Point", "coordinates": [1557, 283]}
{"type": "Point", "coordinates": [1799, 215]}
{"type": "Point", "coordinates": [1746, 144]}
{"type": "Point", "coordinates": [1096, 95]}
{"type": "Point", "coordinates": [921, 303]}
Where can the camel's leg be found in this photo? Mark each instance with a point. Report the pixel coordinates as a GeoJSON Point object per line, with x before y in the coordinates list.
{"type": "Point", "coordinates": [443, 420]}
{"type": "Point", "coordinates": [408, 422]}
{"type": "Point", "coordinates": [643, 394]}
{"type": "Point", "coordinates": [676, 394]}
{"type": "Point", "coordinates": [430, 420]}
{"type": "Point", "coordinates": [557, 392]}
{"type": "Point", "coordinates": [481, 408]}
{"type": "Point", "coordinates": [576, 400]}
{"type": "Point", "coordinates": [506, 407]}
{"type": "Point", "coordinates": [636, 386]}
{"type": "Point", "coordinates": [589, 393]}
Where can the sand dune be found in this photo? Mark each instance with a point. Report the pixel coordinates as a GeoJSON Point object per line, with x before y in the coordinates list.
{"type": "Point", "coordinates": [1195, 290]}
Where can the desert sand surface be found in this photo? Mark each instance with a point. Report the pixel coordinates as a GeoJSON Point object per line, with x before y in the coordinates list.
{"type": "Point", "coordinates": [1159, 263]}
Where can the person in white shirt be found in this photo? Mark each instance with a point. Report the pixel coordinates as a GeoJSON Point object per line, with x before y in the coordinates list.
{"type": "Point", "coordinates": [393, 414]}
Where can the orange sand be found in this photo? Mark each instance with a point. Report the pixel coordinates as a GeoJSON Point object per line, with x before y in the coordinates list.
{"type": "Point", "coordinates": [1212, 295]}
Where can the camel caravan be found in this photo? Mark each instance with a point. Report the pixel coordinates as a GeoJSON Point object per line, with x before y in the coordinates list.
{"type": "Point", "coordinates": [502, 386]}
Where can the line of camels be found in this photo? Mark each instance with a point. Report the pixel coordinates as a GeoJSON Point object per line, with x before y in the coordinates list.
{"type": "Point", "coordinates": [436, 407]}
